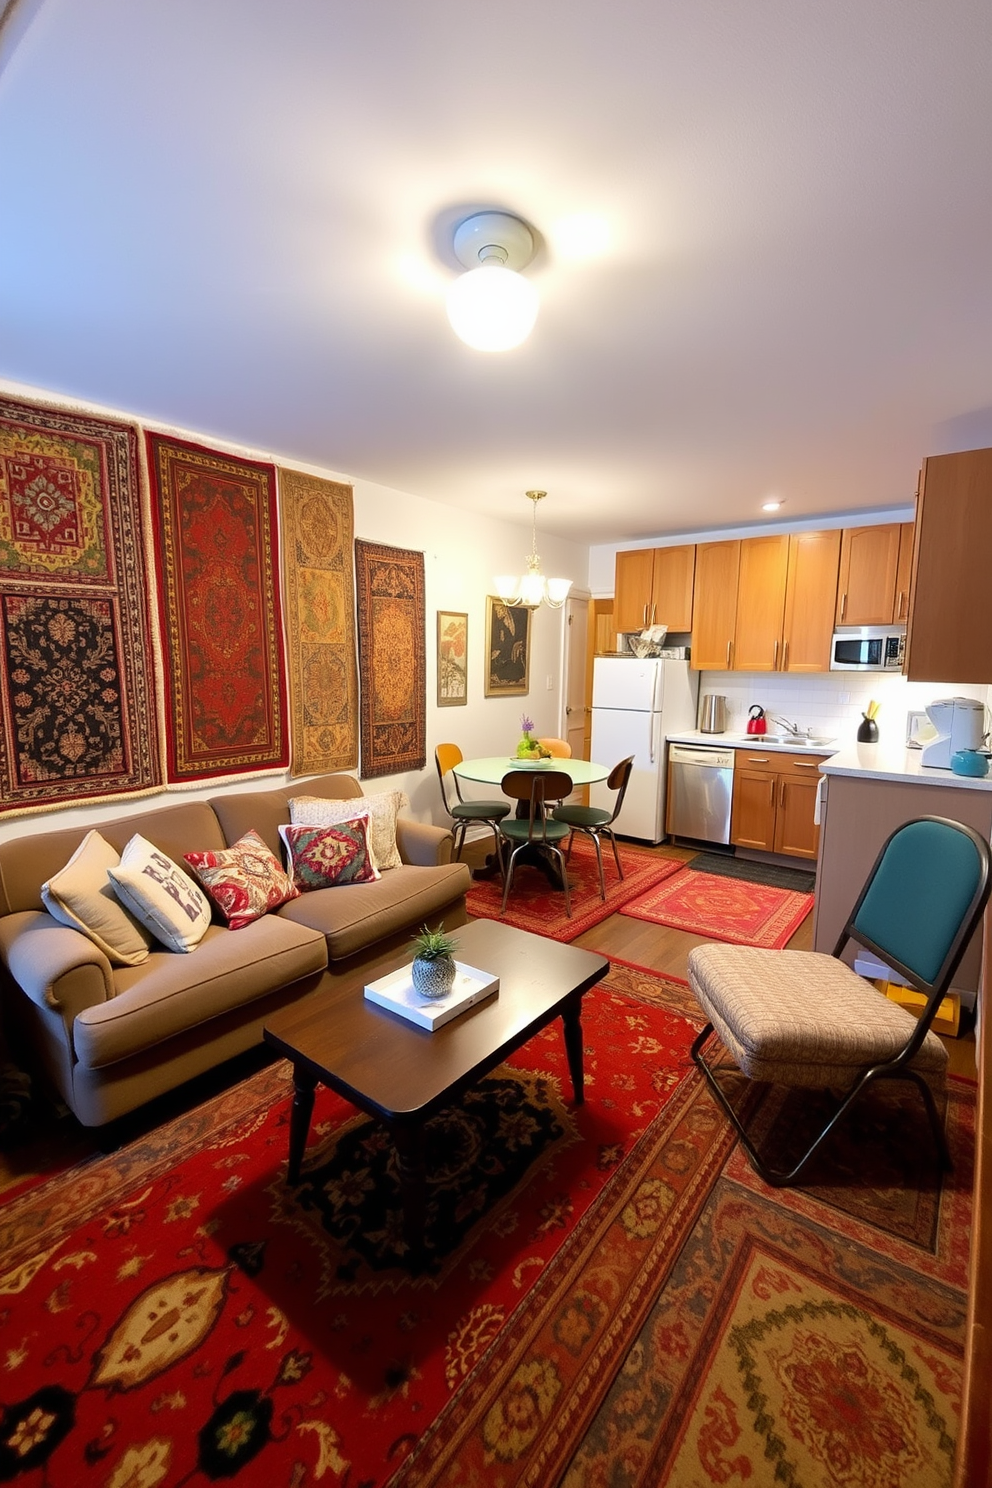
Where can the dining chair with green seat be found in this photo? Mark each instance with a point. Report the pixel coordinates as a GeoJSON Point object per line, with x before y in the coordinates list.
{"type": "Point", "coordinates": [596, 821]}
{"type": "Point", "coordinates": [535, 830]}
{"type": "Point", "coordinates": [464, 813]}
{"type": "Point", "coordinates": [806, 1020]}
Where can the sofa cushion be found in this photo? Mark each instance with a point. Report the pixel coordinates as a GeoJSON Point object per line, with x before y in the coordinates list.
{"type": "Point", "coordinates": [317, 811]}
{"type": "Point", "coordinates": [264, 811]}
{"type": "Point", "coordinates": [355, 916]}
{"type": "Point", "coordinates": [170, 994]}
{"type": "Point", "coordinates": [82, 896]}
{"type": "Point", "coordinates": [325, 857]}
{"type": "Point", "coordinates": [244, 881]}
{"type": "Point", "coordinates": [160, 895]}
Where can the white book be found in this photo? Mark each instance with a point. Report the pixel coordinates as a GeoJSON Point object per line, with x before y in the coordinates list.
{"type": "Point", "coordinates": [396, 992]}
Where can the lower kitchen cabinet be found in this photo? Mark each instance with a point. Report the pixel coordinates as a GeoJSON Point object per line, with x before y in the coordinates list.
{"type": "Point", "coordinates": [774, 800]}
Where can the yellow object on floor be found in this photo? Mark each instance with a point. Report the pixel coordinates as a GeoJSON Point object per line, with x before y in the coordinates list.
{"type": "Point", "coordinates": [947, 1019]}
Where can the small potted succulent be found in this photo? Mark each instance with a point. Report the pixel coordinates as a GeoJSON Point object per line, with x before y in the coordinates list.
{"type": "Point", "coordinates": [433, 966]}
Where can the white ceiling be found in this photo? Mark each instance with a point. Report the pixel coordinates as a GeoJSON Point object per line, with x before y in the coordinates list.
{"type": "Point", "coordinates": [234, 216]}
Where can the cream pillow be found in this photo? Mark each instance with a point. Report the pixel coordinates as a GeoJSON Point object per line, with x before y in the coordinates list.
{"type": "Point", "coordinates": [81, 895]}
{"type": "Point", "coordinates": [161, 895]}
{"type": "Point", "coordinates": [317, 811]}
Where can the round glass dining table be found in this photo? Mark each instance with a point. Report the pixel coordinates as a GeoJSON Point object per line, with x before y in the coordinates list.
{"type": "Point", "coordinates": [490, 771]}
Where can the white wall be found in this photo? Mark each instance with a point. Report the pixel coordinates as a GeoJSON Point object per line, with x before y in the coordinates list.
{"type": "Point", "coordinates": [462, 552]}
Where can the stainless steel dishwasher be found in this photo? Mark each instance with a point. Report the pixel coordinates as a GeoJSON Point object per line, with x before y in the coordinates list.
{"type": "Point", "coordinates": [700, 789]}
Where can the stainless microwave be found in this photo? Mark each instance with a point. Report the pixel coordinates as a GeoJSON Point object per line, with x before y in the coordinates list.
{"type": "Point", "coordinates": [868, 648]}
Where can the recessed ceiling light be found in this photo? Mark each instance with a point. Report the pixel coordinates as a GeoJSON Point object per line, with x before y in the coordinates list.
{"type": "Point", "coordinates": [770, 505]}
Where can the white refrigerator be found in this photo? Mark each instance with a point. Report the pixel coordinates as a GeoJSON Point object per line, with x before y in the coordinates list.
{"type": "Point", "coordinates": [635, 703]}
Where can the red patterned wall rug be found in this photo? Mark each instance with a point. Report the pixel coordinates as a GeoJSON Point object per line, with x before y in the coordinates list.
{"type": "Point", "coordinates": [609, 1296]}
{"type": "Point", "coordinates": [319, 594]}
{"type": "Point", "coordinates": [221, 622]}
{"type": "Point", "coordinates": [724, 909]}
{"type": "Point", "coordinates": [391, 658]}
{"type": "Point", "coordinates": [77, 683]}
{"type": "Point", "coordinates": [535, 905]}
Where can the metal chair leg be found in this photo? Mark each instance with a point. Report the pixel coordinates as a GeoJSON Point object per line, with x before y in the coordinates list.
{"type": "Point", "coordinates": [609, 832]}
{"type": "Point", "coordinates": [508, 879]}
{"type": "Point", "coordinates": [460, 830]}
{"type": "Point", "coordinates": [564, 878]}
{"type": "Point", "coordinates": [599, 864]}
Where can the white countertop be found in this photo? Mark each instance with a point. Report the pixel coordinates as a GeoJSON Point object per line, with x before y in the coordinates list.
{"type": "Point", "coordinates": [893, 761]}
{"type": "Point", "coordinates": [749, 741]}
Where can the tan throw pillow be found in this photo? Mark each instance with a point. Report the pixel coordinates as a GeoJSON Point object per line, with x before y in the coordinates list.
{"type": "Point", "coordinates": [317, 811]}
{"type": "Point", "coordinates": [161, 895]}
{"type": "Point", "coordinates": [82, 896]}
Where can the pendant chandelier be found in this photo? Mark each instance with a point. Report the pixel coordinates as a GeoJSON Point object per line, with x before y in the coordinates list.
{"type": "Point", "coordinates": [532, 589]}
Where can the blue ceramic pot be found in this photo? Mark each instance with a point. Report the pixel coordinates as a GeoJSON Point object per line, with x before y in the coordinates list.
{"type": "Point", "coordinates": [970, 762]}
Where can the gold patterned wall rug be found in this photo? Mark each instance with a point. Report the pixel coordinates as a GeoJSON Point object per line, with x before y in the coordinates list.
{"type": "Point", "coordinates": [216, 546]}
{"type": "Point", "coordinates": [392, 658]}
{"type": "Point", "coordinates": [319, 595]}
{"type": "Point", "coordinates": [77, 687]}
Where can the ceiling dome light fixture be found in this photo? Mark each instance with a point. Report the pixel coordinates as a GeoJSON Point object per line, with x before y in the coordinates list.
{"type": "Point", "coordinates": [532, 589]}
{"type": "Point", "coordinates": [492, 307]}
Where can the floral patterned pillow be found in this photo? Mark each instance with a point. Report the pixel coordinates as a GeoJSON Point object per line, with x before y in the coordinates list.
{"type": "Point", "coordinates": [322, 857]}
{"type": "Point", "coordinates": [244, 881]}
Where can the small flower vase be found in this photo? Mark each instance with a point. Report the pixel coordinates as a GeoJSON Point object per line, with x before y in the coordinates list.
{"type": "Point", "coordinates": [434, 976]}
{"type": "Point", "coordinates": [527, 747]}
{"type": "Point", "coordinates": [867, 731]}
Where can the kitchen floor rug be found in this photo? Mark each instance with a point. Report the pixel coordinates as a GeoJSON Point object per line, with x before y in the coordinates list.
{"type": "Point", "coordinates": [772, 874]}
{"type": "Point", "coordinates": [724, 909]}
{"type": "Point", "coordinates": [534, 905]}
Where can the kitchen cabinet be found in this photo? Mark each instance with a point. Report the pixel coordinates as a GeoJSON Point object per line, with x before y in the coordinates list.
{"type": "Point", "coordinates": [714, 607]}
{"type": "Point", "coordinates": [810, 597]}
{"type": "Point", "coordinates": [654, 586]}
{"type": "Point", "coordinates": [904, 572]}
{"type": "Point", "coordinates": [869, 564]}
{"type": "Point", "coordinates": [784, 610]}
{"type": "Point", "coordinates": [761, 584]}
{"type": "Point", "coordinates": [774, 800]}
{"type": "Point", "coordinates": [949, 638]}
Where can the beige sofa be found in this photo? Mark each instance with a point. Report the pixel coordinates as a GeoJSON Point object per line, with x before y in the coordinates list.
{"type": "Point", "coordinates": [110, 1037]}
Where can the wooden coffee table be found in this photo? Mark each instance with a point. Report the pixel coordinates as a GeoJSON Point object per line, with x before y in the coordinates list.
{"type": "Point", "coordinates": [401, 1073]}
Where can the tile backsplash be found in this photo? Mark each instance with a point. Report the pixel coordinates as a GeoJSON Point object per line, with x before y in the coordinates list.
{"type": "Point", "coordinates": [830, 703]}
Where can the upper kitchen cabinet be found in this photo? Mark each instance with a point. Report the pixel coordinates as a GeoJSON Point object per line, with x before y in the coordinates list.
{"type": "Point", "coordinates": [761, 584]}
{"type": "Point", "coordinates": [714, 613]}
{"type": "Point", "coordinates": [786, 592]}
{"type": "Point", "coordinates": [653, 586]}
{"type": "Point", "coordinates": [904, 572]}
{"type": "Point", "coordinates": [869, 563]}
{"type": "Point", "coordinates": [949, 637]}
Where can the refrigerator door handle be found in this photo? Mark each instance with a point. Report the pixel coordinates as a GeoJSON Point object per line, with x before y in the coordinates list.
{"type": "Point", "coordinates": [655, 726]}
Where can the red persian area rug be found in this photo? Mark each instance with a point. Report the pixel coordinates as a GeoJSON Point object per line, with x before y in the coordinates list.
{"type": "Point", "coordinates": [392, 658]}
{"type": "Point", "coordinates": [221, 623]}
{"type": "Point", "coordinates": [724, 909]}
{"type": "Point", "coordinates": [78, 715]}
{"type": "Point", "coordinates": [609, 1294]}
{"type": "Point", "coordinates": [319, 594]}
{"type": "Point", "coordinates": [534, 905]}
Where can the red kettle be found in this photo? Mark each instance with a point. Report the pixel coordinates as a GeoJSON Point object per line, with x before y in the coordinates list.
{"type": "Point", "coordinates": [756, 720]}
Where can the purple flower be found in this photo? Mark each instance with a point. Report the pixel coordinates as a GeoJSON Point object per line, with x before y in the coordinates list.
{"type": "Point", "coordinates": [526, 723]}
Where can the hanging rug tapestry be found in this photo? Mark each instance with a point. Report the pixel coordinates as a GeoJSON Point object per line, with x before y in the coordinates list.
{"type": "Point", "coordinates": [609, 1294]}
{"type": "Point", "coordinates": [730, 909]}
{"type": "Point", "coordinates": [77, 685]}
{"type": "Point", "coordinates": [221, 623]}
{"type": "Point", "coordinates": [392, 658]}
{"type": "Point", "coordinates": [319, 596]}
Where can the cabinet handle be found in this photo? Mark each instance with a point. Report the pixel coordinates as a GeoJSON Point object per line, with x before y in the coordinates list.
{"type": "Point", "coordinates": [804, 765]}
{"type": "Point", "coordinates": [654, 612]}
{"type": "Point", "coordinates": [781, 799]}
{"type": "Point", "coordinates": [754, 759]}
{"type": "Point", "coordinates": [899, 604]}
{"type": "Point", "coordinates": [644, 616]}
{"type": "Point", "coordinates": [775, 658]}
{"type": "Point", "coordinates": [730, 647]}
{"type": "Point", "coordinates": [785, 656]}
{"type": "Point", "coordinates": [843, 606]}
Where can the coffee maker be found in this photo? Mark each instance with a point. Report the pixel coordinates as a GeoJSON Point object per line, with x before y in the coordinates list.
{"type": "Point", "coordinates": [960, 724]}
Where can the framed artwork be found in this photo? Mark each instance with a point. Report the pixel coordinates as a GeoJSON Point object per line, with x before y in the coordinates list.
{"type": "Point", "coordinates": [508, 648]}
{"type": "Point", "coordinates": [452, 658]}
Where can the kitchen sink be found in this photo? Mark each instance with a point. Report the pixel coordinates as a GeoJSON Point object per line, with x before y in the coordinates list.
{"type": "Point", "coordinates": [814, 741]}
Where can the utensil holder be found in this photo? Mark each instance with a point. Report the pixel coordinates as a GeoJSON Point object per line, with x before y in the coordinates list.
{"type": "Point", "coordinates": [867, 731]}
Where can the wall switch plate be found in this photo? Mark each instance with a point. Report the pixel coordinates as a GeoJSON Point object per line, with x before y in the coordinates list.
{"type": "Point", "coordinates": [550, 684]}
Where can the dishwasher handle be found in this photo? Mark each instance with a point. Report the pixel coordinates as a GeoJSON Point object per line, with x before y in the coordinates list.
{"type": "Point", "coordinates": [702, 755]}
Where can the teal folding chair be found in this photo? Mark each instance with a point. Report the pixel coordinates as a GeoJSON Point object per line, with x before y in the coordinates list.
{"type": "Point", "coordinates": [805, 1019]}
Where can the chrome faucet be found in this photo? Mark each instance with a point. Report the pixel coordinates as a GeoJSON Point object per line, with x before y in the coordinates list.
{"type": "Point", "coordinates": [791, 728]}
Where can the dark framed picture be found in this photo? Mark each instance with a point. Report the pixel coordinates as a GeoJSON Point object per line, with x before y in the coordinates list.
{"type": "Point", "coordinates": [508, 648]}
{"type": "Point", "coordinates": [452, 658]}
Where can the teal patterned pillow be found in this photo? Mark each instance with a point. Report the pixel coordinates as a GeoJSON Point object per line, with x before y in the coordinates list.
{"type": "Point", "coordinates": [323, 857]}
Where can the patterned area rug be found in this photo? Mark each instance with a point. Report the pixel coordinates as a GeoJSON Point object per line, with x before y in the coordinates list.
{"type": "Point", "coordinates": [221, 621]}
{"type": "Point", "coordinates": [392, 659]}
{"type": "Point", "coordinates": [78, 713]}
{"type": "Point", "coordinates": [612, 1296]}
{"type": "Point", "coordinates": [535, 905]}
{"type": "Point", "coordinates": [762, 873]}
{"type": "Point", "coordinates": [319, 594]}
{"type": "Point", "coordinates": [724, 909]}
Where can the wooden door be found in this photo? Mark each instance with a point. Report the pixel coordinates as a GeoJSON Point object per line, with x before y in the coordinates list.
{"type": "Point", "coordinates": [866, 592]}
{"type": "Point", "coordinates": [714, 606]}
{"type": "Point", "coordinates": [576, 651]}
{"type": "Point", "coordinates": [633, 578]}
{"type": "Point", "coordinates": [810, 601]}
{"type": "Point", "coordinates": [671, 595]}
{"type": "Point", "coordinates": [795, 831]}
{"type": "Point", "coordinates": [904, 571]}
{"type": "Point", "coordinates": [950, 638]}
{"type": "Point", "coordinates": [761, 604]}
{"type": "Point", "coordinates": [752, 816]}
